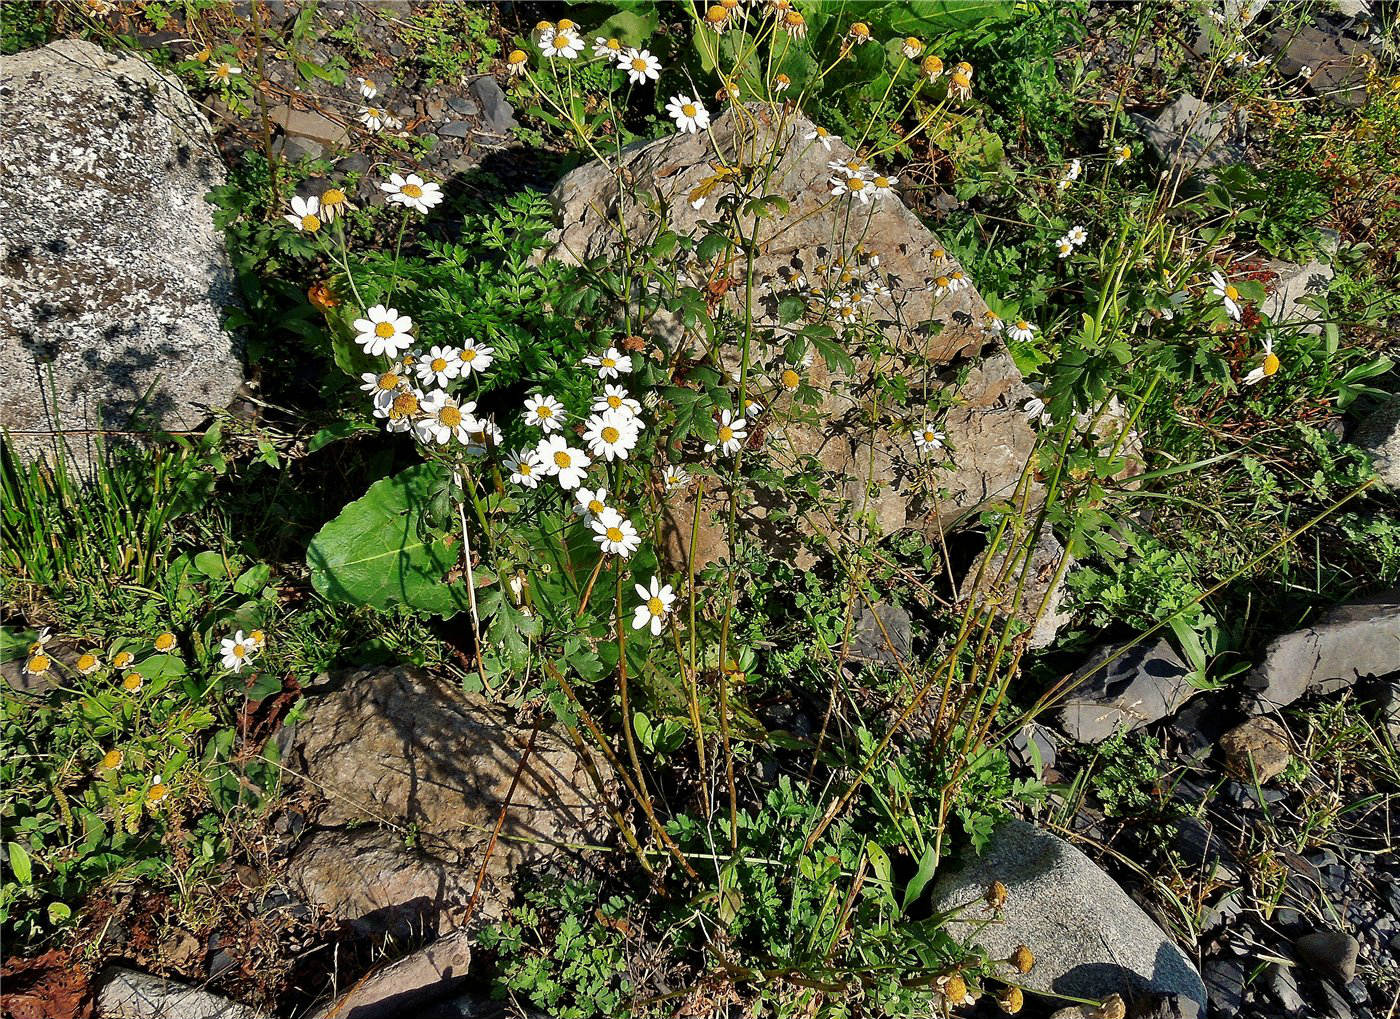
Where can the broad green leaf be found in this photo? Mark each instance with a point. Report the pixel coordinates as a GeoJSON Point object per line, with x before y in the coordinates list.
{"type": "Point", "coordinates": [20, 864]}
{"type": "Point", "coordinates": [212, 564]}
{"type": "Point", "coordinates": [374, 554]}
{"type": "Point", "coordinates": [252, 579]}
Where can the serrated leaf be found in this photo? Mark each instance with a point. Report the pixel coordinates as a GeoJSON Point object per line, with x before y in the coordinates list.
{"type": "Point", "coordinates": [373, 554]}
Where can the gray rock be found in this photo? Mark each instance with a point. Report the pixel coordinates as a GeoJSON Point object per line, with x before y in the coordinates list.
{"type": "Point", "coordinates": [1329, 952]}
{"type": "Point", "coordinates": [310, 124]}
{"type": "Point", "coordinates": [497, 115]}
{"type": "Point", "coordinates": [115, 278]}
{"type": "Point", "coordinates": [987, 432]}
{"type": "Point", "coordinates": [1379, 435]}
{"type": "Point", "coordinates": [1043, 584]}
{"type": "Point", "coordinates": [1035, 745]}
{"type": "Point", "coordinates": [1089, 938]}
{"type": "Point", "coordinates": [1336, 57]}
{"type": "Point", "coordinates": [401, 746]}
{"type": "Point", "coordinates": [1350, 642]}
{"type": "Point", "coordinates": [463, 107]}
{"type": "Point", "coordinates": [455, 129]}
{"type": "Point", "coordinates": [128, 994]}
{"type": "Point", "coordinates": [1282, 986]}
{"type": "Point", "coordinates": [432, 972]}
{"type": "Point", "coordinates": [1257, 750]}
{"type": "Point", "coordinates": [1200, 848]}
{"type": "Point", "coordinates": [1190, 135]}
{"type": "Point", "coordinates": [1224, 980]}
{"type": "Point", "coordinates": [294, 149]}
{"type": "Point", "coordinates": [1143, 684]}
{"type": "Point", "coordinates": [869, 643]}
{"type": "Point", "coordinates": [1290, 285]}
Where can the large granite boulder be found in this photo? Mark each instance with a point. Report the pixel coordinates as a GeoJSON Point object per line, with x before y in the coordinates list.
{"type": "Point", "coordinates": [115, 277]}
{"type": "Point", "coordinates": [873, 465]}
{"type": "Point", "coordinates": [407, 748]}
{"type": "Point", "coordinates": [1088, 937]}
{"type": "Point", "coordinates": [1350, 642]}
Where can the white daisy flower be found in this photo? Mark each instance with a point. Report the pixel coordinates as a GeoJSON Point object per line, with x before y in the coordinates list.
{"type": "Point", "coordinates": [1074, 169]}
{"type": "Point", "coordinates": [857, 186]}
{"type": "Point", "coordinates": [1266, 367]}
{"type": "Point", "coordinates": [376, 118]}
{"type": "Point", "coordinates": [608, 49]}
{"type": "Point", "coordinates": [1022, 331]}
{"type": "Point", "coordinates": [611, 434]}
{"type": "Point", "coordinates": [475, 357]}
{"type": "Point", "coordinates": [942, 286]}
{"type": "Point", "coordinates": [368, 87]}
{"type": "Point", "coordinates": [821, 134]}
{"type": "Point", "coordinates": [610, 363]}
{"type": "Point", "coordinates": [444, 419]}
{"type": "Point", "coordinates": [544, 411]}
{"type": "Point", "coordinates": [993, 322]}
{"type": "Point", "coordinates": [1077, 235]}
{"type": "Point", "coordinates": [525, 468]}
{"type": "Point", "coordinates": [158, 789]}
{"type": "Point", "coordinates": [1064, 247]}
{"type": "Point", "coordinates": [689, 114]}
{"type": "Point", "coordinates": [674, 478]}
{"type": "Point", "coordinates": [305, 214]}
{"type": "Point", "coordinates": [957, 280]}
{"type": "Point", "coordinates": [563, 461]}
{"type": "Point", "coordinates": [883, 184]}
{"type": "Point", "coordinates": [1229, 296]}
{"type": "Point", "coordinates": [224, 71]}
{"type": "Point", "coordinates": [641, 66]}
{"type": "Point", "coordinates": [1122, 154]}
{"type": "Point", "coordinates": [655, 606]}
{"type": "Point", "coordinates": [439, 366]}
{"type": "Point", "coordinates": [852, 167]}
{"type": "Point", "coordinates": [236, 651]}
{"type": "Point", "coordinates": [928, 439]}
{"type": "Point", "coordinates": [412, 191]}
{"type": "Point", "coordinates": [384, 331]}
{"type": "Point", "coordinates": [729, 435]}
{"type": "Point", "coordinates": [616, 398]}
{"type": "Point", "coordinates": [333, 203]}
{"type": "Point", "coordinates": [591, 501]}
{"type": "Point", "coordinates": [399, 410]}
{"type": "Point", "coordinates": [615, 534]}
{"type": "Point", "coordinates": [484, 437]}
{"type": "Point", "coordinates": [564, 44]}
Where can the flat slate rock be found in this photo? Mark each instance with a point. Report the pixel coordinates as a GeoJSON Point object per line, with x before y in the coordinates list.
{"type": "Point", "coordinates": [1145, 683]}
{"type": "Point", "coordinates": [1089, 938]}
{"type": "Point", "coordinates": [115, 278]}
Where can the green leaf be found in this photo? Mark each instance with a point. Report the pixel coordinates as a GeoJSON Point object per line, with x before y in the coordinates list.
{"type": "Point", "coordinates": [20, 864]}
{"type": "Point", "coordinates": [928, 863]}
{"type": "Point", "coordinates": [790, 309]}
{"type": "Point", "coordinates": [212, 564]}
{"type": "Point", "coordinates": [336, 432]}
{"type": "Point", "coordinates": [265, 686]}
{"type": "Point", "coordinates": [373, 552]}
{"type": "Point", "coordinates": [252, 579]}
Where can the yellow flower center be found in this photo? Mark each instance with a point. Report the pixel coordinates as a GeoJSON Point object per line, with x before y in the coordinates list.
{"type": "Point", "coordinates": [132, 681]}
{"type": "Point", "coordinates": [610, 434]}
{"type": "Point", "coordinates": [516, 57]}
{"type": "Point", "coordinates": [794, 20]}
{"type": "Point", "coordinates": [310, 223]}
{"type": "Point", "coordinates": [717, 13]}
{"type": "Point", "coordinates": [726, 433]}
{"type": "Point", "coordinates": [374, 113]}
{"type": "Point", "coordinates": [438, 364]}
{"type": "Point", "coordinates": [1231, 292]}
{"type": "Point", "coordinates": [942, 281]}
{"type": "Point", "coordinates": [655, 607]}
{"type": "Point", "coordinates": [412, 190]}
{"type": "Point", "coordinates": [123, 659]}
{"type": "Point", "coordinates": [1022, 324]}
{"type": "Point", "coordinates": [468, 355]}
{"type": "Point", "coordinates": [562, 459]}
{"type": "Point", "coordinates": [404, 404]}
{"type": "Point", "coordinates": [928, 436]}
{"type": "Point", "coordinates": [638, 64]}
{"type": "Point", "coordinates": [255, 637]}
{"type": "Point", "coordinates": [961, 80]}
{"type": "Point", "coordinates": [855, 184]}
{"type": "Point", "coordinates": [386, 382]}
{"type": "Point", "coordinates": [165, 642]}
{"type": "Point", "coordinates": [913, 44]}
{"type": "Point", "coordinates": [39, 663]}
{"type": "Point", "coordinates": [823, 132]}
{"type": "Point", "coordinates": [958, 276]}
{"type": "Point", "coordinates": [595, 506]}
{"type": "Point", "coordinates": [608, 362]}
{"type": "Point", "coordinates": [240, 651]}
{"type": "Point", "coordinates": [111, 759]}
{"type": "Point", "coordinates": [860, 30]}
{"type": "Point", "coordinates": [688, 109]}
{"type": "Point", "coordinates": [614, 402]}
{"type": "Point", "coordinates": [450, 416]}
{"type": "Point", "coordinates": [157, 792]}
{"type": "Point", "coordinates": [333, 196]}
{"type": "Point", "coordinates": [565, 25]}
{"type": "Point", "coordinates": [881, 182]}
{"type": "Point", "coordinates": [544, 410]}
{"type": "Point", "coordinates": [384, 330]}
{"type": "Point", "coordinates": [221, 71]}
{"type": "Point", "coordinates": [790, 379]}
{"type": "Point", "coordinates": [1270, 364]}
{"type": "Point", "coordinates": [614, 44]}
{"type": "Point", "coordinates": [87, 661]}
{"type": "Point", "coordinates": [525, 469]}
{"type": "Point", "coordinates": [614, 534]}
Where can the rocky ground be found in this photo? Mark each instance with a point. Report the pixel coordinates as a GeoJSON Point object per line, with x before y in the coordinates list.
{"type": "Point", "coordinates": [1248, 885]}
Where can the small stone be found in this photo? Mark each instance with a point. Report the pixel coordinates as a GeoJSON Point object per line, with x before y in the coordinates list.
{"type": "Point", "coordinates": [1142, 684]}
{"type": "Point", "coordinates": [294, 149]}
{"type": "Point", "coordinates": [1291, 284]}
{"type": "Point", "coordinates": [497, 115]}
{"type": "Point", "coordinates": [1282, 986]}
{"type": "Point", "coordinates": [455, 129]}
{"type": "Point", "coordinates": [1035, 746]}
{"type": "Point", "coordinates": [310, 124]}
{"type": "Point", "coordinates": [1334, 1003]}
{"type": "Point", "coordinates": [355, 163]}
{"type": "Point", "coordinates": [1336, 57]}
{"type": "Point", "coordinates": [1258, 750]}
{"type": "Point", "coordinates": [869, 643]}
{"type": "Point", "coordinates": [1201, 849]}
{"type": "Point", "coordinates": [395, 990]}
{"type": "Point", "coordinates": [1330, 952]}
{"type": "Point", "coordinates": [1043, 584]}
{"type": "Point", "coordinates": [1224, 980]}
{"type": "Point", "coordinates": [463, 107]}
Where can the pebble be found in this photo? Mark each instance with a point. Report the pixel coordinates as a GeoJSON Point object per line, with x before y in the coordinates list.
{"type": "Point", "coordinates": [1330, 952]}
{"type": "Point", "coordinates": [455, 129]}
{"type": "Point", "coordinates": [1224, 980]}
{"type": "Point", "coordinates": [463, 107]}
{"type": "Point", "coordinates": [1283, 986]}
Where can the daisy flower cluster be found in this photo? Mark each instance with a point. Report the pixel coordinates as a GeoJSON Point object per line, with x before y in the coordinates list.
{"type": "Point", "coordinates": [844, 289]}
{"type": "Point", "coordinates": [1073, 238]}
{"type": "Point", "coordinates": [238, 649]}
